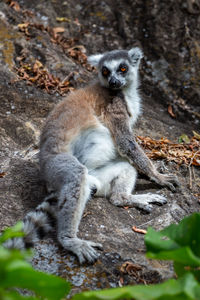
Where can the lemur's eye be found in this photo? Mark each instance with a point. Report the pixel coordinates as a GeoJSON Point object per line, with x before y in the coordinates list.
{"type": "Point", "coordinates": [123, 68]}
{"type": "Point", "coordinates": [105, 71]}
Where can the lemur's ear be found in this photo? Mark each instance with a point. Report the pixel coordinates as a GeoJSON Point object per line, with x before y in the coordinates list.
{"type": "Point", "coordinates": [94, 59]}
{"type": "Point", "coordinates": [135, 55]}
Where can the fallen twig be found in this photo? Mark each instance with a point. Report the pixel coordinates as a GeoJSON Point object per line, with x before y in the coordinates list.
{"type": "Point", "coordinates": [143, 231]}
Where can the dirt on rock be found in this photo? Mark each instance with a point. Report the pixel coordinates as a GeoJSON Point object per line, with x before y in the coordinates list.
{"type": "Point", "coordinates": [43, 50]}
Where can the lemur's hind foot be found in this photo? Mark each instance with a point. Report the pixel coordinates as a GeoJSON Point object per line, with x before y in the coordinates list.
{"type": "Point", "coordinates": [83, 249]}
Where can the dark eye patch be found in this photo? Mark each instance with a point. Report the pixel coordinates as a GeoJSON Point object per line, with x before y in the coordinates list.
{"type": "Point", "coordinates": [123, 68]}
{"type": "Point", "coordinates": [105, 71]}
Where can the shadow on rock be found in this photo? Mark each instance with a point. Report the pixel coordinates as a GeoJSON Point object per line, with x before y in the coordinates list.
{"type": "Point", "coordinates": [22, 190]}
{"type": "Point", "coordinates": [27, 183]}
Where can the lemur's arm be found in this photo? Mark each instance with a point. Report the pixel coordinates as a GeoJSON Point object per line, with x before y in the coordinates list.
{"type": "Point", "coordinates": [118, 122]}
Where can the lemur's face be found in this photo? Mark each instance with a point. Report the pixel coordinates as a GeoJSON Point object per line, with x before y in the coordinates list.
{"type": "Point", "coordinates": [117, 69]}
{"type": "Point", "coordinates": [114, 74]}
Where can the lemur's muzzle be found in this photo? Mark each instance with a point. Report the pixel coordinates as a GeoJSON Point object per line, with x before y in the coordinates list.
{"type": "Point", "coordinates": [114, 83]}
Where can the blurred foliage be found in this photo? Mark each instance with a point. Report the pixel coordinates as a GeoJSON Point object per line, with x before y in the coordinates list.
{"type": "Point", "coordinates": [180, 243]}
{"type": "Point", "coordinates": [16, 272]}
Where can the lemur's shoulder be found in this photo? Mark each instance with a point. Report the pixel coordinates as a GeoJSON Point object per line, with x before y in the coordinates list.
{"type": "Point", "coordinates": [83, 100]}
{"type": "Point", "coordinates": [82, 109]}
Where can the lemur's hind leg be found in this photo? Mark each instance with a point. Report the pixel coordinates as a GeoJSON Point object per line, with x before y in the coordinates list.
{"type": "Point", "coordinates": [109, 173]}
{"type": "Point", "coordinates": [65, 174]}
{"type": "Point", "coordinates": [121, 193]}
{"type": "Point", "coordinates": [118, 181]}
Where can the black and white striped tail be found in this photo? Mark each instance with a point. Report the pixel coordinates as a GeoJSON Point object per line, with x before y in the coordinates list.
{"type": "Point", "coordinates": [36, 225]}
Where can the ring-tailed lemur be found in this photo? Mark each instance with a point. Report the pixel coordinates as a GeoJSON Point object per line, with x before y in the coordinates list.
{"type": "Point", "coordinates": [87, 146]}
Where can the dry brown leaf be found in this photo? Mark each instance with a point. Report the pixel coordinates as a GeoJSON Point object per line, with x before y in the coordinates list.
{"type": "Point", "coordinates": [76, 21]}
{"type": "Point", "coordinates": [143, 231]}
{"type": "Point", "coordinates": [15, 5]}
{"type": "Point", "coordinates": [2, 174]}
{"type": "Point", "coordinates": [196, 135]}
{"type": "Point", "coordinates": [126, 207]}
{"type": "Point", "coordinates": [63, 19]}
{"type": "Point", "coordinates": [37, 65]}
{"type": "Point", "coordinates": [76, 52]}
{"type": "Point", "coordinates": [130, 268]}
{"type": "Point", "coordinates": [40, 76]}
{"type": "Point", "coordinates": [86, 214]}
{"type": "Point", "coordinates": [198, 196]}
{"type": "Point", "coordinates": [57, 30]}
{"type": "Point", "coordinates": [170, 111]}
{"type": "Point", "coordinates": [121, 281]}
{"type": "Point", "coordinates": [24, 28]}
{"type": "Point", "coordinates": [181, 153]}
{"type": "Point", "coordinates": [28, 13]}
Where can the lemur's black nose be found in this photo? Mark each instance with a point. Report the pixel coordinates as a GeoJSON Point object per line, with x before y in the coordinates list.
{"type": "Point", "coordinates": [114, 83]}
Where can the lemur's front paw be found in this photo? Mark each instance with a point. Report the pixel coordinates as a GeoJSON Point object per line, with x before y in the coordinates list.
{"type": "Point", "coordinates": [83, 249]}
{"type": "Point", "coordinates": [169, 180]}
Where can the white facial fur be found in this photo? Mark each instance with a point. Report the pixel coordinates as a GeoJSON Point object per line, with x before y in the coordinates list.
{"type": "Point", "coordinates": [94, 59]}
{"type": "Point", "coordinates": [112, 66]}
{"type": "Point", "coordinates": [112, 62]}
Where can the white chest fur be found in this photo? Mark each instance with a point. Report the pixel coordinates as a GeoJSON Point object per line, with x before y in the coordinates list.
{"type": "Point", "coordinates": [133, 101]}
{"type": "Point", "coordinates": [94, 147]}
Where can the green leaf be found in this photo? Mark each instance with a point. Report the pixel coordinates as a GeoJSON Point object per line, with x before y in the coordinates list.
{"type": "Point", "coordinates": [184, 139]}
{"type": "Point", "coordinates": [11, 232]}
{"type": "Point", "coordinates": [180, 243]}
{"type": "Point", "coordinates": [16, 272]}
{"type": "Point", "coordinates": [4, 253]}
{"type": "Point", "coordinates": [18, 264]}
{"type": "Point", "coordinates": [181, 269]}
{"type": "Point", "coordinates": [22, 275]}
{"type": "Point", "coordinates": [7, 256]}
{"type": "Point", "coordinates": [185, 288]}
